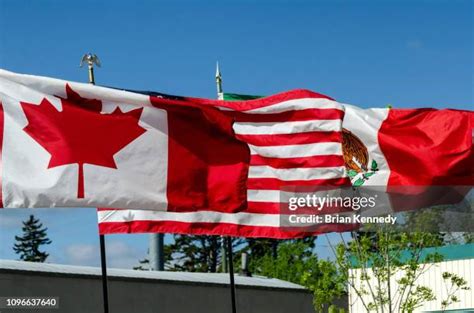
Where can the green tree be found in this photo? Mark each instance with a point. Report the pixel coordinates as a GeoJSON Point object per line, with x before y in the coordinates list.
{"type": "Point", "coordinates": [371, 273]}
{"type": "Point", "coordinates": [296, 262]}
{"type": "Point", "coordinates": [205, 253]}
{"type": "Point", "coordinates": [468, 237]}
{"type": "Point", "coordinates": [143, 265]}
{"type": "Point", "coordinates": [292, 261]}
{"type": "Point", "coordinates": [259, 247]}
{"type": "Point", "coordinates": [453, 284]}
{"type": "Point", "coordinates": [34, 236]}
{"type": "Point", "coordinates": [197, 253]}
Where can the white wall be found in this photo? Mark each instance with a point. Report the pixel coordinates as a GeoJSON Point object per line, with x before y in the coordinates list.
{"type": "Point", "coordinates": [431, 278]}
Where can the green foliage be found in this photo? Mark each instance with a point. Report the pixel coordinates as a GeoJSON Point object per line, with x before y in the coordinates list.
{"type": "Point", "coordinates": [390, 264]}
{"type": "Point", "coordinates": [28, 245]}
{"type": "Point", "coordinates": [144, 265]}
{"type": "Point", "coordinates": [334, 309]}
{"type": "Point", "coordinates": [205, 253]}
{"type": "Point", "coordinates": [194, 253]}
{"type": "Point", "coordinates": [296, 262]}
{"type": "Point", "coordinates": [453, 284]}
{"type": "Point", "coordinates": [468, 237]}
{"type": "Point", "coordinates": [198, 253]}
{"type": "Point", "coordinates": [293, 260]}
{"type": "Point", "coordinates": [260, 247]}
{"type": "Point", "coordinates": [381, 256]}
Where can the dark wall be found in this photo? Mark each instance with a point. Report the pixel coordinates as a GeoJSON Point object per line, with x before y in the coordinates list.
{"type": "Point", "coordinates": [83, 293]}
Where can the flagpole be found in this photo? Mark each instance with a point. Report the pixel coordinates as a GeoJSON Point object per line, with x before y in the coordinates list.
{"type": "Point", "coordinates": [231, 273]}
{"type": "Point", "coordinates": [226, 241]}
{"type": "Point", "coordinates": [92, 59]}
{"type": "Point", "coordinates": [103, 265]}
{"type": "Point", "coordinates": [220, 96]}
{"type": "Point", "coordinates": [156, 252]}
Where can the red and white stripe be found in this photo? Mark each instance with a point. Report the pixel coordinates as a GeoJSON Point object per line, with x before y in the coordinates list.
{"type": "Point", "coordinates": [293, 142]}
{"type": "Point", "coordinates": [294, 139]}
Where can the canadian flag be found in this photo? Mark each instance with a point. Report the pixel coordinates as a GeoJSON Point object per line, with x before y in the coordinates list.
{"type": "Point", "coordinates": [78, 145]}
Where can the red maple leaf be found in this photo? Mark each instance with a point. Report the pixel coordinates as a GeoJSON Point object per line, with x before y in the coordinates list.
{"type": "Point", "coordinates": [80, 133]}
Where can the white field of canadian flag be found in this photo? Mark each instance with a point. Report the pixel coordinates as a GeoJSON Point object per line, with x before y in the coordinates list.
{"type": "Point", "coordinates": [28, 180]}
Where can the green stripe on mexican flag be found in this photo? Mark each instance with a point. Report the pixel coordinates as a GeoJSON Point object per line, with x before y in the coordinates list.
{"type": "Point", "coordinates": [238, 97]}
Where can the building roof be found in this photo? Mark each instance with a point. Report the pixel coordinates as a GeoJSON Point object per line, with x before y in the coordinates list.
{"type": "Point", "coordinates": [165, 276]}
{"type": "Point", "coordinates": [454, 252]}
{"type": "Point", "coordinates": [449, 253]}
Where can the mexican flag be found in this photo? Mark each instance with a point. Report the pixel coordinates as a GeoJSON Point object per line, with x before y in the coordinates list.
{"type": "Point", "coordinates": [405, 147]}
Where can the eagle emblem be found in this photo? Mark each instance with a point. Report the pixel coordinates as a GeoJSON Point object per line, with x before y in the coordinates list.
{"type": "Point", "coordinates": [356, 159]}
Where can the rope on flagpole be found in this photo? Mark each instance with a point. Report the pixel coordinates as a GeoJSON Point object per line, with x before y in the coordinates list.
{"type": "Point", "coordinates": [92, 59]}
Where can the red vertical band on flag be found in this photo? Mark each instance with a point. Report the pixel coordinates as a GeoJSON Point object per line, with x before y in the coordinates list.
{"type": "Point", "coordinates": [207, 165]}
{"type": "Point", "coordinates": [426, 147]}
{"type": "Point", "coordinates": [1, 148]}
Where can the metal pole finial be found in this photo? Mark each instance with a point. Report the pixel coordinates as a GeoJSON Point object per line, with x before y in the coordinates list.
{"type": "Point", "coordinates": [219, 82]}
{"type": "Point", "coordinates": [90, 59]}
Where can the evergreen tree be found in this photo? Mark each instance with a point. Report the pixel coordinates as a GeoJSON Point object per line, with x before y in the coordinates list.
{"type": "Point", "coordinates": [144, 265]}
{"type": "Point", "coordinates": [198, 253]}
{"type": "Point", "coordinates": [194, 253]}
{"type": "Point", "coordinates": [258, 248]}
{"type": "Point", "coordinates": [34, 236]}
{"type": "Point", "coordinates": [203, 253]}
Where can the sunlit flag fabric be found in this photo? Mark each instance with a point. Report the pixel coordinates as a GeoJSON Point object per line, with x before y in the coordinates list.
{"type": "Point", "coordinates": [386, 148]}
{"type": "Point", "coordinates": [411, 147]}
{"type": "Point", "coordinates": [420, 157]}
{"type": "Point", "coordinates": [407, 153]}
{"type": "Point", "coordinates": [165, 164]}
{"type": "Point", "coordinates": [293, 139]}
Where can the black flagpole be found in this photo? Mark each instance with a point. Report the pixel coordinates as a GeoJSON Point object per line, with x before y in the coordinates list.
{"type": "Point", "coordinates": [103, 265]}
{"type": "Point", "coordinates": [228, 240]}
{"type": "Point", "coordinates": [92, 59]}
{"type": "Point", "coordinates": [230, 258]}
{"type": "Point", "coordinates": [231, 273]}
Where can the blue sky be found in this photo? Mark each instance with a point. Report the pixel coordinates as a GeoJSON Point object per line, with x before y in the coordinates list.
{"type": "Point", "coordinates": [367, 53]}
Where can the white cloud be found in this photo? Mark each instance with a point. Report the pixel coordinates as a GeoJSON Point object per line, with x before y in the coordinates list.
{"type": "Point", "coordinates": [11, 221]}
{"type": "Point", "coordinates": [122, 255]}
{"type": "Point", "coordinates": [82, 254]}
{"type": "Point", "coordinates": [119, 255]}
